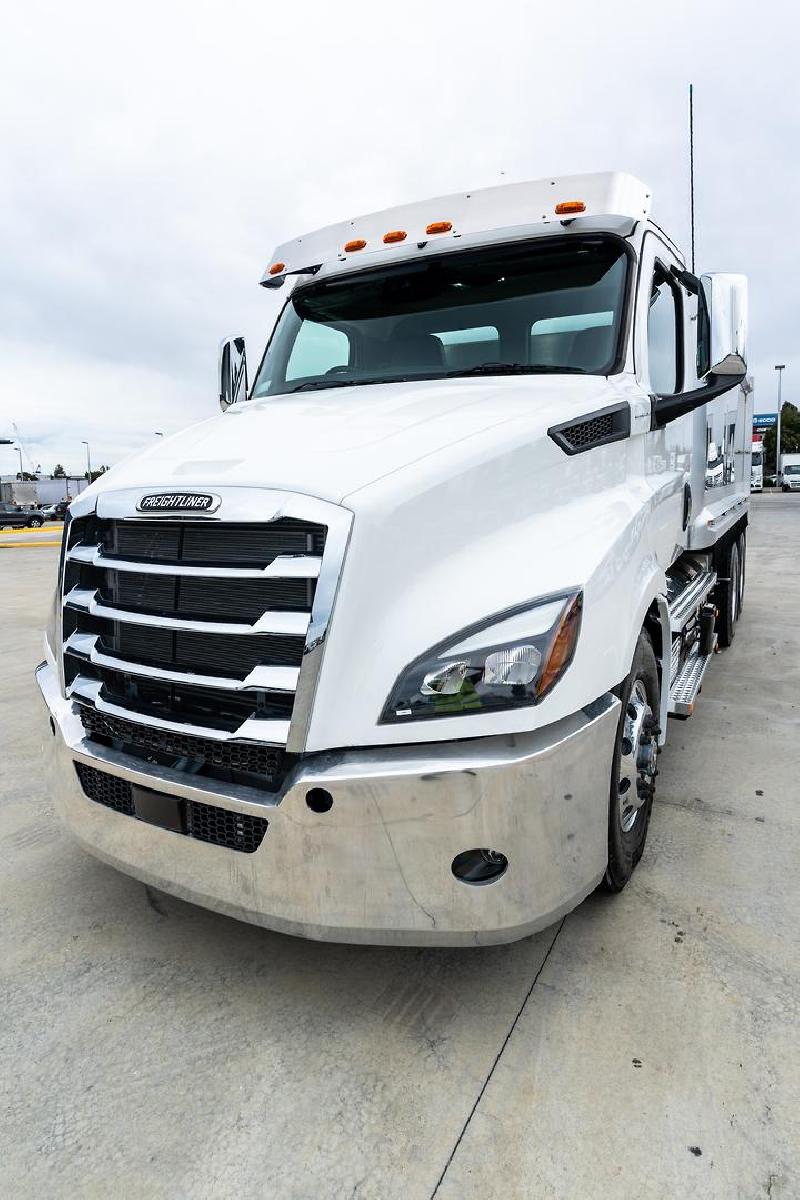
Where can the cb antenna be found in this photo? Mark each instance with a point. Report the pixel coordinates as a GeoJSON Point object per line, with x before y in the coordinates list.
{"type": "Point", "coordinates": [691, 165]}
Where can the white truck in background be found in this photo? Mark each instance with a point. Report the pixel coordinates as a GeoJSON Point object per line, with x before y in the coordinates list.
{"type": "Point", "coordinates": [790, 472]}
{"type": "Point", "coordinates": [757, 465]}
{"type": "Point", "coordinates": [386, 652]}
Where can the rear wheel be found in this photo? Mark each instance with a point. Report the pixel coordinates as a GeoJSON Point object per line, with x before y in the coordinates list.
{"type": "Point", "coordinates": [728, 593]}
{"type": "Point", "coordinates": [633, 768]}
{"type": "Point", "coordinates": [742, 566]}
{"type": "Point", "coordinates": [35, 522]}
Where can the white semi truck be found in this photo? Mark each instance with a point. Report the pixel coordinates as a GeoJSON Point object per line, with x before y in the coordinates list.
{"type": "Point", "coordinates": [386, 652]}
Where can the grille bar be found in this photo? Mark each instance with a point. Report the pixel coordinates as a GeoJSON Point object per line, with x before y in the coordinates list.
{"type": "Point", "coordinates": [292, 623]}
{"type": "Point", "coordinates": [284, 566]}
{"type": "Point", "coordinates": [260, 729]}
{"type": "Point", "coordinates": [275, 678]}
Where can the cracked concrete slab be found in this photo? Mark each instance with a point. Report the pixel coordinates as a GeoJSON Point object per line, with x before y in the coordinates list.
{"type": "Point", "coordinates": [154, 1049]}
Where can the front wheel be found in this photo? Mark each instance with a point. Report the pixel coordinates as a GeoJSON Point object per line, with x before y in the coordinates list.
{"type": "Point", "coordinates": [633, 770]}
{"type": "Point", "coordinates": [36, 522]}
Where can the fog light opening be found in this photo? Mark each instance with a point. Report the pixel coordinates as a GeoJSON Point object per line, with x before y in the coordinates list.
{"type": "Point", "coordinates": [479, 866]}
{"type": "Point", "coordinates": [319, 800]}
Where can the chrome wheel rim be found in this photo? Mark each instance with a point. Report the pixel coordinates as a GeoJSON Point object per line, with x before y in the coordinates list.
{"type": "Point", "coordinates": [638, 752]}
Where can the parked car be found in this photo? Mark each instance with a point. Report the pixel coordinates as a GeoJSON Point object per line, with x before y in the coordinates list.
{"type": "Point", "coordinates": [18, 518]}
{"type": "Point", "coordinates": [55, 512]}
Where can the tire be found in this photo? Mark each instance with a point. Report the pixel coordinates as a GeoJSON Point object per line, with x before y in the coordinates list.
{"type": "Point", "coordinates": [629, 812]}
{"type": "Point", "coordinates": [742, 567]}
{"type": "Point", "coordinates": [35, 522]}
{"type": "Point", "coordinates": [727, 593]}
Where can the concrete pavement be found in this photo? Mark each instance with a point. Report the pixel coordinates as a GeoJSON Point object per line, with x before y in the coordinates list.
{"type": "Point", "coordinates": [646, 1047]}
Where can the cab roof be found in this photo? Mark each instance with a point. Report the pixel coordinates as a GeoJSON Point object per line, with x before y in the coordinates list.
{"type": "Point", "coordinates": [611, 200]}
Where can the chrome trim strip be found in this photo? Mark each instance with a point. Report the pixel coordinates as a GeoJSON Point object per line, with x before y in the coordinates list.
{"type": "Point", "coordinates": [291, 623]}
{"type": "Point", "coordinates": [263, 678]}
{"type": "Point", "coordinates": [339, 522]}
{"type": "Point", "coordinates": [301, 566]}
{"type": "Point", "coordinates": [272, 733]}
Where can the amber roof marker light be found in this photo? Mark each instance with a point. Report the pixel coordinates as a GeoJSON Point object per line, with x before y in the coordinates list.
{"type": "Point", "coordinates": [567, 207]}
{"type": "Point", "coordinates": [356, 244]}
{"type": "Point", "coordinates": [276, 268]}
{"type": "Point", "coordinates": [439, 227]}
{"type": "Point", "coordinates": [395, 235]}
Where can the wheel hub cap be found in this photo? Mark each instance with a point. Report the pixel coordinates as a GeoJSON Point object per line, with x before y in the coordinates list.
{"type": "Point", "coordinates": [638, 754]}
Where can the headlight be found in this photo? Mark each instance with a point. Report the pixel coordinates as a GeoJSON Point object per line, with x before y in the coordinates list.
{"type": "Point", "coordinates": [512, 659]}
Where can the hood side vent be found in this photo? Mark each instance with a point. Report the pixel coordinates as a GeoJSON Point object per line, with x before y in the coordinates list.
{"type": "Point", "coordinates": [598, 428]}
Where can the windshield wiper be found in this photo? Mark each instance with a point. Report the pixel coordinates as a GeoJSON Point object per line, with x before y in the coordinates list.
{"type": "Point", "coordinates": [500, 368]}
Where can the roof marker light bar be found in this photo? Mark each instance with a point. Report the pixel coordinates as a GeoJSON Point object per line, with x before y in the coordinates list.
{"type": "Point", "coordinates": [570, 206]}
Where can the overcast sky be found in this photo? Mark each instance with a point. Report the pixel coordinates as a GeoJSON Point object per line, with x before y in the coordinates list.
{"type": "Point", "coordinates": [154, 154]}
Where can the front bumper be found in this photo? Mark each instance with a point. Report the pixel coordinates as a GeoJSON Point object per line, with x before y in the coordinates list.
{"type": "Point", "coordinates": [375, 868]}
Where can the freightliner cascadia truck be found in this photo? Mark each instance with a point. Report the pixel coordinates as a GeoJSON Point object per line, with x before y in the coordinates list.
{"type": "Point", "coordinates": [386, 652]}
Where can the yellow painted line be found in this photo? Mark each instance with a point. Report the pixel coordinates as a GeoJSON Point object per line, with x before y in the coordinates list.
{"type": "Point", "coordinates": [18, 545]}
{"type": "Point", "coordinates": [27, 530]}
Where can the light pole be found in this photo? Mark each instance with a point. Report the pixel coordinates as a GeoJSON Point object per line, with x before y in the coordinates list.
{"type": "Point", "coordinates": [780, 368]}
{"type": "Point", "coordinates": [19, 452]}
{"type": "Point", "coordinates": [88, 462]}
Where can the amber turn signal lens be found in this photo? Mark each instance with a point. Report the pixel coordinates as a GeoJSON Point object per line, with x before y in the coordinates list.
{"type": "Point", "coordinates": [276, 268]}
{"type": "Point", "coordinates": [439, 227]}
{"type": "Point", "coordinates": [395, 235]}
{"type": "Point", "coordinates": [570, 206]}
{"type": "Point", "coordinates": [562, 646]}
{"type": "Point", "coordinates": [356, 244]}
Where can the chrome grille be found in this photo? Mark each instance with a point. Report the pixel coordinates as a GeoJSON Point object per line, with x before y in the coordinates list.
{"type": "Point", "coordinates": [201, 626]}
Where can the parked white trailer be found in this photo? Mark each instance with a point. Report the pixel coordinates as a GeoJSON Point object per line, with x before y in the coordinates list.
{"type": "Point", "coordinates": [386, 652]}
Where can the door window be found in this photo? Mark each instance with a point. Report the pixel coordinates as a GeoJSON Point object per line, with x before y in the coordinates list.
{"type": "Point", "coordinates": [663, 341]}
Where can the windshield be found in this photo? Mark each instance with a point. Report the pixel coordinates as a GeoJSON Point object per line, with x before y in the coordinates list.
{"type": "Point", "coordinates": [756, 460]}
{"type": "Point", "coordinates": [531, 308]}
{"type": "Point", "coordinates": [792, 470]}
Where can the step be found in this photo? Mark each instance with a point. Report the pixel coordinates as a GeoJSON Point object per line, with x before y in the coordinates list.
{"type": "Point", "coordinates": [690, 599]}
{"type": "Point", "coordinates": [687, 684]}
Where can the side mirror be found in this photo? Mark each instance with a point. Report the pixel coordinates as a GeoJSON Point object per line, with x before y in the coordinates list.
{"type": "Point", "coordinates": [232, 372]}
{"type": "Point", "coordinates": [722, 351]}
{"type": "Point", "coordinates": [725, 299]}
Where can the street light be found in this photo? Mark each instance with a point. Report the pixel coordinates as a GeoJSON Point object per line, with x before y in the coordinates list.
{"type": "Point", "coordinates": [780, 368]}
{"type": "Point", "coordinates": [88, 462]}
{"type": "Point", "coordinates": [158, 433]}
{"type": "Point", "coordinates": [19, 452]}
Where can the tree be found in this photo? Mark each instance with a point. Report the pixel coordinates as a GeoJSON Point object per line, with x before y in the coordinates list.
{"type": "Point", "coordinates": [96, 474]}
{"type": "Point", "coordinates": [58, 472]}
{"type": "Point", "coordinates": [790, 435]}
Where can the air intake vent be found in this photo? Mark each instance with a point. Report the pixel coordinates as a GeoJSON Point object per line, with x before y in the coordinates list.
{"type": "Point", "coordinates": [595, 429]}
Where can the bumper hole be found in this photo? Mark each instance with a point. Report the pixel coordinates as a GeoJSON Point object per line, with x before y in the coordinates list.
{"type": "Point", "coordinates": [318, 800]}
{"type": "Point", "coordinates": [479, 866]}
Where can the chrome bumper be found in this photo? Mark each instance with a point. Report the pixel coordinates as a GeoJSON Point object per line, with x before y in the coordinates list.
{"type": "Point", "coordinates": [376, 867]}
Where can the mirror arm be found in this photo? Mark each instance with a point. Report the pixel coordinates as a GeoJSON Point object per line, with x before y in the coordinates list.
{"type": "Point", "coordinates": [668, 408]}
{"type": "Point", "coordinates": [687, 279]}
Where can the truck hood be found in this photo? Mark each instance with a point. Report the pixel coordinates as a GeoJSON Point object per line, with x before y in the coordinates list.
{"type": "Point", "coordinates": [332, 444]}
